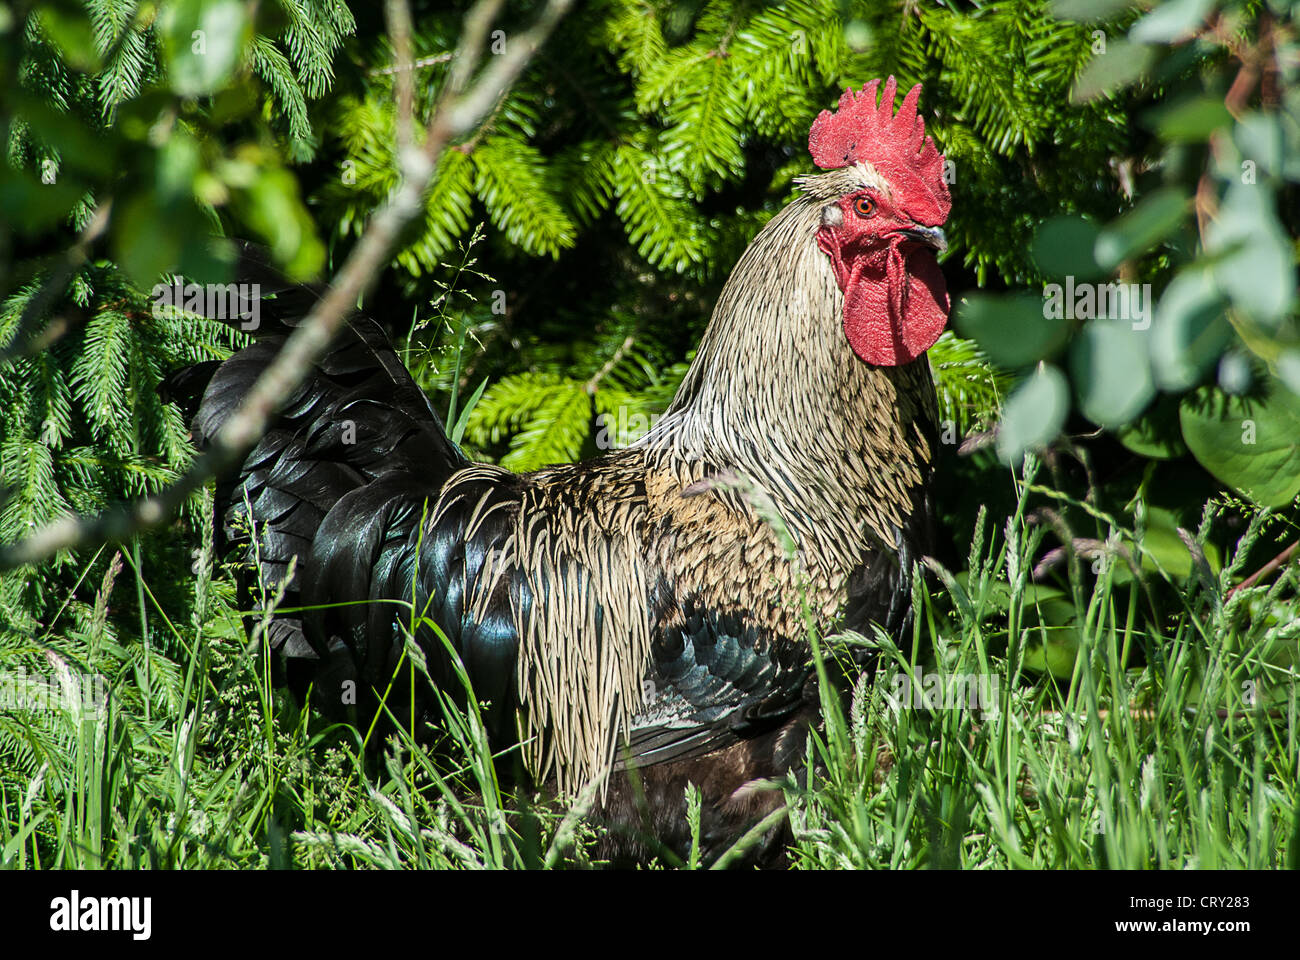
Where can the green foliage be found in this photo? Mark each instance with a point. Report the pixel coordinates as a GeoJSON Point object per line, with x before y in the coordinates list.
{"type": "Point", "coordinates": [1162, 742]}
{"type": "Point", "coordinates": [970, 390]}
{"type": "Point", "coordinates": [568, 257]}
{"type": "Point", "coordinates": [663, 109]}
{"type": "Point", "coordinates": [672, 134]}
{"type": "Point", "coordinates": [112, 758]}
{"type": "Point", "coordinates": [101, 128]}
{"type": "Point", "coordinates": [103, 110]}
{"type": "Point", "coordinates": [82, 425]}
{"type": "Point", "coordinates": [1248, 442]}
{"type": "Point", "coordinates": [1211, 229]}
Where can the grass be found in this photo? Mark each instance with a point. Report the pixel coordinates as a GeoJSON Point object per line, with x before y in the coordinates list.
{"type": "Point", "coordinates": [1165, 738]}
{"type": "Point", "coordinates": [1189, 760]}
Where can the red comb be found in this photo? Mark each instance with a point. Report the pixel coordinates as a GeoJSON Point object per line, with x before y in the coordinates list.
{"type": "Point", "coordinates": [894, 143]}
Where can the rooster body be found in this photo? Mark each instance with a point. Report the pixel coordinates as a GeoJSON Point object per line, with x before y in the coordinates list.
{"type": "Point", "coordinates": [640, 620]}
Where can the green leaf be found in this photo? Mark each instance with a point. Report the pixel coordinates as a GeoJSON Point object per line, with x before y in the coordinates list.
{"type": "Point", "coordinates": [462, 420]}
{"type": "Point", "coordinates": [1250, 444]}
{"type": "Point", "coordinates": [73, 33]}
{"type": "Point", "coordinates": [1288, 369]}
{"type": "Point", "coordinates": [1151, 221]}
{"type": "Point", "coordinates": [1157, 434]}
{"type": "Point", "coordinates": [969, 388]}
{"type": "Point", "coordinates": [555, 433]}
{"type": "Point", "coordinates": [1261, 137]}
{"type": "Point", "coordinates": [179, 162]}
{"type": "Point", "coordinates": [1107, 73]}
{"type": "Point", "coordinates": [1189, 331]}
{"type": "Point", "coordinates": [99, 374]}
{"type": "Point", "coordinates": [1052, 649]}
{"type": "Point", "coordinates": [1088, 11]}
{"type": "Point", "coordinates": [1013, 331]}
{"type": "Point", "coordinates": [146, 243]}
{"type": "Point", "coordinates": [1034, 414]}
{"type": "Point", "coordinates": [1190, 120]}
{"type": "Point", "coordinates": [1257, 269]}
{"type": "Point", "coordinates": [1163, 546]}
{"type": "Point", "coordinates": [30, 205]}
{"type": "Point", "coordinates": [273, 208]}
{"type": "Point", "coordinates": [447, 208]}
{"type": "Point", "coordinates": [664, 228]}
{"type": "Point", "coordinates": [273, 67]}
{"type": "Point", "coordinates": [634, 30]}
{"type": "Point", "coordinates": [202, 42]}
{"type": "Point", "coordinates": [1172, 20]}
{"type": "Point", "coordinates": [66, 138]}
{"type": "Point", "coordinates": [1063, 246]}
{"type": "Point", "coordinates": [704, 139]}
{"type": "Point", "coordinates": [1111, 371]}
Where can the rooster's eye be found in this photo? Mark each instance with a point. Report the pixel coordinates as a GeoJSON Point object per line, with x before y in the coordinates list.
{"type": "Point", "coordinates": [864, 207]}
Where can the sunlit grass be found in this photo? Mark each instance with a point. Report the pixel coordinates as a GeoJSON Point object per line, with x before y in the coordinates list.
{"type": "Point", "coordinates": [1169, 743]}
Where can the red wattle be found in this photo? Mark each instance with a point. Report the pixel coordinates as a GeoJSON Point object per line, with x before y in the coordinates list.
{"type": "Point", "coordinates": [894, 315]}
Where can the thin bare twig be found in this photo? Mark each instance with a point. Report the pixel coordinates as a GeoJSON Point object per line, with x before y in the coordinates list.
{"type": "Point", "coordinates": [418, 64]}
{"type": "Point", "coordinates": [399, 27]}
{"type": "Point", "coordinates": [603, 372]}
{"type": "Point", "coordinates": [1278, 561]}
{"type": "Point", "coordinates": [460, 109]}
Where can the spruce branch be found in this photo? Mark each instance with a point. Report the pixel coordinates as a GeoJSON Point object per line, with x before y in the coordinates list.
{"type": "Point", "coordinates": [462, 106]}
{"type": "Point", "coordinates": [71, 261]}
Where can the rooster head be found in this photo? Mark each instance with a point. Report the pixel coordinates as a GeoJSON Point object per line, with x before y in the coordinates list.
{"type": "Point", "coordinates": [882, 226]}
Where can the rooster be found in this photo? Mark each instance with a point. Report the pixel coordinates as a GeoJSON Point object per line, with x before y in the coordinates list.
{"type": "Point", "coordinates": [638, 622]}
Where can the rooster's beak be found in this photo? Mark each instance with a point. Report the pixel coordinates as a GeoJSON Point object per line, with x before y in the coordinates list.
{"type": "Point", "coordinates": [930, 236]}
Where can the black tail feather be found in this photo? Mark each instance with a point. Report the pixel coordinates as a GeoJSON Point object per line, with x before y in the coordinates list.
{"type": "Point", "coordinates": [357, 434]}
